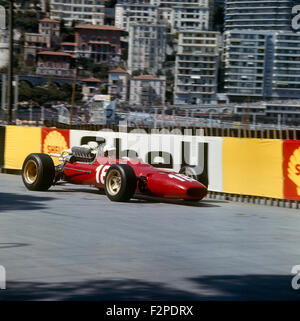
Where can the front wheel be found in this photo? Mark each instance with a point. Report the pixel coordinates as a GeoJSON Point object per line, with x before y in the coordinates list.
{"type": "Point", "coordinates": [120, 183]}
{"type": "Point", "coordinates": [38, 172]}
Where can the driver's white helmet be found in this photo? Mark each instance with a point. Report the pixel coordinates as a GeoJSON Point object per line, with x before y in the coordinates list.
{"type": "Point", "coordinates": [109, 150]}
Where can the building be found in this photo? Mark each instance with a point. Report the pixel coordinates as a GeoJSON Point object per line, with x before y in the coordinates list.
{"type": "Point", "coordinates": [134, 13]}
{"type": "Point", "coordinates": [262, 65]}
{"type": "Point", "coordinates": [34, 43]}
{"type": "Point", "coordinates": [258, 15]}
{"type": "Point", "coordinates": [68, 47]}
{"type": "Point", "coordinates": [85, 11]}
{"type": "Point", "coordinates": [118, 84]}
{"type": "Point", "coordinates": [178, 13]}
{"type": "Point", "coordinates": [99, 42]}
{"type": "Point", "coordinates": [50, 27]}
{"type": "Point", "coordinates": [189, 17]}
{"type": "Point", "coordinates": [90, 87]}
{"type": "Point", "coordinates": [147, 47]}
{"type": "Point", "coordinates": [196, 67]}
{"type": "Point", "coordinates": [47, 37]}
{"type": "Point", "coordinates": [55, 63]}
{"type": "Point", "coordinates": [279, 112]}
{"type": "Point", "coordinates": [147, 90]}
{"type": "Point", "coordinates": [3, 48]}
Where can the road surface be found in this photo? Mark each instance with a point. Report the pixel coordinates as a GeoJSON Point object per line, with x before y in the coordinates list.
{"type": "Point", "coordinates": [72, 243]}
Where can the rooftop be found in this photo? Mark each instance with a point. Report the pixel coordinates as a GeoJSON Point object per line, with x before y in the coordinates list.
{"type": "Point", "coordinates": [118, 70]}
{"type": "Point", "coordinates": [146, 77]}
{"type": "Point", "coordinates": [49, 20]}
{"type": "Point", "coordinates": [92, 79]}
{"type": "Point", "coordinates": [68, 44]}
{"type": "Point", "coordinates": [98, 27]}
{"type": "Point", "coordinates": [55, 53]}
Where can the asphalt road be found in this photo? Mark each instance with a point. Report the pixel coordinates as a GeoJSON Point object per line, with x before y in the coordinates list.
{"type": "Point", "coordinates": [72, 243]}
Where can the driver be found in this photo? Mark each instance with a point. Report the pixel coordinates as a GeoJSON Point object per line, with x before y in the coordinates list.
{"type": "Point", "coordinates": [109, 151]}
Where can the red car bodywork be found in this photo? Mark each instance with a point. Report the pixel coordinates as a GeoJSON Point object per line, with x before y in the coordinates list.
{"type": "Point", "coordinates": [151, 180]}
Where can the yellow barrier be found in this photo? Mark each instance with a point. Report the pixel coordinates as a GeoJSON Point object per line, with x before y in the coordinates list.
{"type": "Point", "coordinates": [253, 167]}
{"type": "Point", "coordinates": [19, 142]}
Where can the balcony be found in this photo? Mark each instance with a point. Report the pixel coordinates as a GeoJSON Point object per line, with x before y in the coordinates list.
{"type": "Point", "coordinates": [60, 72]}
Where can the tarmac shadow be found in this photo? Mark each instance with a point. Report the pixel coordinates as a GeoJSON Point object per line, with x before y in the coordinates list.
{"type": "Point", "coordinates": [13, 202]}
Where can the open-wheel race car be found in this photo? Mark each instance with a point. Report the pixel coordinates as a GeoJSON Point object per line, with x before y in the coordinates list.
{"type": "Point", "coordinates": [98, 165]}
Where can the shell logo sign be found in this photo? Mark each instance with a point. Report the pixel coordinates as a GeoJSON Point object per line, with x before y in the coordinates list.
{"type": "Point", "coordinates": [55, 141]}
{"type": "Point", "coordinates": [291, 169]}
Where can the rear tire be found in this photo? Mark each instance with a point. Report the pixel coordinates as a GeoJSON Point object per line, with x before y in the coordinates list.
{"type": "Point", "coordinates": [38, 172]}
{"type": "Point", "coordinates": [120, 183]}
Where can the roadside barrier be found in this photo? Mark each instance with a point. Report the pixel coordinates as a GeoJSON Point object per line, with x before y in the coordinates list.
{"type": "Point", "coordinates": [254, 170]}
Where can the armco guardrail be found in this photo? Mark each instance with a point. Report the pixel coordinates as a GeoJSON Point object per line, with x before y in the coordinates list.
{"type": "Point", "coordinates": [240, 168]}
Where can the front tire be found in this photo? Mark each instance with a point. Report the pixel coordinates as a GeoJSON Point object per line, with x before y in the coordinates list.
{"type": "Point", "coordinates": [120, 183]}
{"type": "Point", "coordinates": [38, 172]}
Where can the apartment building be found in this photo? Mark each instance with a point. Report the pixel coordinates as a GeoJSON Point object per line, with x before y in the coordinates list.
{"type": "Point", "coordinates": [99, 42]}
{"type": "Point", "coordinates": [3, 47]}
{"type": "Point", "coordinates": [50, 27]}
{"type": "Point", "coordinates": [47, 37]}
{"type": "Point", "coordinates": [189, 17]}
{"type": "Point", "coordinates": [147, 90]}
{"type": "Point", "coordinates": [196, 67]}
{"type": "Point", "coordinates": [118, 84]}
{"type": "Point", "coordinates": [90, 87]}
{"type": "Point", "coordinates": [274, 111]}
{"type": "Point", "coordinates": [187, 13]}
{"type": "Point", "coordinates": [147, 47]}
{"type": "Point", "coordinates": [54, 63]}
{"type": "Point", "coordinates": [128, 13]}
{"type": "Point", "coordinates": [85, 11]}
{"type": "Point", "coordinates": [258, 14]}
{"type": "Point", "coordinates": [262, 65]}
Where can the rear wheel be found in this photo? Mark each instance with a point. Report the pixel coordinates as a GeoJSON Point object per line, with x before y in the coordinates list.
{"type": "Point", "coordinates": [38, 172]}
{"type": "Point", "coordinates": [120, 183]}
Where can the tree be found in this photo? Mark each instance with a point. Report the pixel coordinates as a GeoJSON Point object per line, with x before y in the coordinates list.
{"type": "Point", "coordinates": [50, 92]}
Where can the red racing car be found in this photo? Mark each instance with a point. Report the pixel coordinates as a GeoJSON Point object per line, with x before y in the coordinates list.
{"type": "Point", "coordinates": [97, 165]}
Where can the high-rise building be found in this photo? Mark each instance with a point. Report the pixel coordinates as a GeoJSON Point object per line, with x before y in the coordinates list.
{"type": "Point", "coordinates": [180, 14]}
{"type": "Point", "coordinates": [147, 47]}
{"type": "Point", "coordinates": [196, 67]}
{"type": "Point", "coordinates": [189, 17]}
{"type": "Point", "coordinates": [86, 11]}
{"type": "Point", "coordinates": [258, 14]}
{"type": "Point", "coordinates": [128, 13]}
{"type": "Point", "coordinates": [262, 64]}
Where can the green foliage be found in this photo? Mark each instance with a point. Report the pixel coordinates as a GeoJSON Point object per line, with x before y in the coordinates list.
{"type": "Point", "coordinates": [124, 55]}
{"type": "Point", "coordinates": [136, 72]}
{"type": "Point", "coordinates": [51, 92]}
{"type": "Point", "coordinates": [159, 72]}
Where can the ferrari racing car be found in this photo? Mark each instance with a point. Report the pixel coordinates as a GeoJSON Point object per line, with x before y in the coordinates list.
{"type": "Point", "coordinates": [98, 165]}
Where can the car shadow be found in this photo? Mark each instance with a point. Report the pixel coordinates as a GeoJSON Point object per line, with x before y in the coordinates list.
{"type": "Point", "coordinates": [27, 202]}
{"type": "Point", "coordinates": [153, 199]}
{"type": "Point", "coordinates": [140, 198]}
{"type": "Point", "coordinates": [202, 288]}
